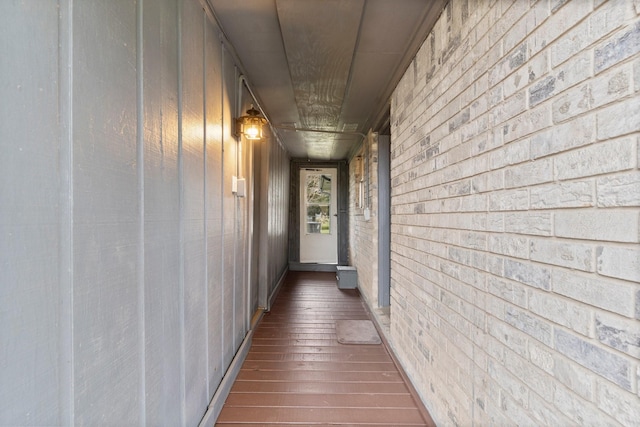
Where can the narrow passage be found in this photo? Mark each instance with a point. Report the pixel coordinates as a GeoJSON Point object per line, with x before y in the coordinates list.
{"type": "Point", "coordinates": [297, 374]}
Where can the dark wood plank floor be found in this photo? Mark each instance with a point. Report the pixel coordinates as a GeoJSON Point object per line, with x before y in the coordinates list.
{"type": "Point", "coordinates": [297, 374]}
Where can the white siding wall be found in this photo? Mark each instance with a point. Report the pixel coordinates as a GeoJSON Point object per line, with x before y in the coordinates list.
{"type": "Point", "coordinates": [31, 218]}
{"type": "Point", "coordinates": [105, 346]}
{"type": "Point", "coordinates": [271, 223]}
{"type": "Point", "coordinates": [162, 253]}
{"type": "Point", "coordinates": [515, 191]}
{"type": "Point", "coordinates": [123, 252]}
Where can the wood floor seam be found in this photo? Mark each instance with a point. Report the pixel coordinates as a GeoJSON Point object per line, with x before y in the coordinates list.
{"type": "Point", "coordinates": [297, 373]}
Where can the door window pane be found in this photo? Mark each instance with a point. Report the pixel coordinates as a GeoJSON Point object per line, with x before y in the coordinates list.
{"type": "Point", "coordinates": [318, 201]}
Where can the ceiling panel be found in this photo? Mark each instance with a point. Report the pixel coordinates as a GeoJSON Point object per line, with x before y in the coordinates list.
{"type": "Point", "coordinates": [388, 26]}
{"type": "Point", "coordinates": [369, 69]}
{"type": "Point", "coordinates": [328, 65]}
{"type": "Point", "coordinates": [319, 58]}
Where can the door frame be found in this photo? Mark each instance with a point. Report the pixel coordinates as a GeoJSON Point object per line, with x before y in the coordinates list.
{"type": "Point", "coordinates": [319, 247]}
{"type": "Point", "coordinates": [342, 210]}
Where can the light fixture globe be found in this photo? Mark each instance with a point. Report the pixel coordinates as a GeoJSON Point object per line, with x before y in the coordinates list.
{"type": "Point", "coordinates": [250, 125]}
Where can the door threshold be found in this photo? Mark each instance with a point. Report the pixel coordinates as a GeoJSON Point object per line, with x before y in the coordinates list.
{"type": "Point", "coordinates": [310, 266]}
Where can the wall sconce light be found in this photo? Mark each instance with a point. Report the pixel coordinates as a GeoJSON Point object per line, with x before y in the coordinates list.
{"type": "Point", "coordinates": [250, 125]}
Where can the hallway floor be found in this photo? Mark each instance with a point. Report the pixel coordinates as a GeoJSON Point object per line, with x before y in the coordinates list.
{"type": "Point", "coordinates": [296, 372]}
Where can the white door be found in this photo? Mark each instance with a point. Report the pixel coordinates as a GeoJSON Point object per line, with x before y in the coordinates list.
{"type": "Point", "coordinates": [318, 216]}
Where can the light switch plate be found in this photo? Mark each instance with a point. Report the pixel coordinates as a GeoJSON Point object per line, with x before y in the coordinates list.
{"type": "Point", "coordinates": [241, 187]}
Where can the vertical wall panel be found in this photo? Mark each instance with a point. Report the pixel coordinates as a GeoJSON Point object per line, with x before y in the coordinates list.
{"type": "Point", "coordinates": [195, 319]}
{"type": "Point", "coordinates": [241, 224]}
{"type": "Point", "coordinates": [248, 252]}
{"type": "Point", "coordinates": [263, 158]}
{"type": "Point", "coordinates": [105, 214]}
{"type": "Point", "coordinates": [254, 226]}
{"type": "Point", "coordinates": [228, 204]}
{"type": "Point", "coordinates": [29, 215]}
{"type": "Point", "coordinates": [282, 207]}
{"type": "Point", "coordinates": [123, 250]}
{"type": "Point", "coordinates": [213, 197]}
{"type": "Point", "coordinates": [274, 184]}
{"type": "Point", "coordinates": [161, 209]}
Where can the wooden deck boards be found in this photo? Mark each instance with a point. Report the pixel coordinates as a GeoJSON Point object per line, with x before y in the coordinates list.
{"type": "Point", "coordinates": [297, 374]}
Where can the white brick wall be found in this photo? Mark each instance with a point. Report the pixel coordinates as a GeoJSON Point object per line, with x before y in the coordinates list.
{"type": "Point", "coordinates": [515, 263]}
{"type": "Point", "coordinates": [363, 233]}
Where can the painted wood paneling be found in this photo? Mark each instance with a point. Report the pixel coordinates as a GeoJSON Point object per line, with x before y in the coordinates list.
{"type": "Point", "coordinates": [31, 348]}
{"type": "Point", "coordinates": [240, 247]}
{"type": "Point", "coordinates": [229, 207]}
{"type": "Point", "coordinates": [123, 250]}
{"type": "Point", "coordinates": [213, 201]}
{"type": "Point", "coordinates": [161, 214]}
{"type": "Point", "coordinates": [105, 214]}
{"type": "Point", "coordinates": [272, 190]}
{"type": "Point", "coordinates": [193, 156]}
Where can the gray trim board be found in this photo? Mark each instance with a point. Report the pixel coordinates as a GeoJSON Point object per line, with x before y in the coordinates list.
{"type": "Point", "coordinates": [220, 396]}
{"type": "Point", "coordinates": [384, 220]}
{"type": "Point", "coordinates": [276, 290]}
{"type": "Point", "coordinates": [299, 266]}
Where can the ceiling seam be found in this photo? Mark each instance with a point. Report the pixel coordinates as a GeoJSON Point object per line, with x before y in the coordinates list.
{"type": "Point", "coordinates": [347, 88]}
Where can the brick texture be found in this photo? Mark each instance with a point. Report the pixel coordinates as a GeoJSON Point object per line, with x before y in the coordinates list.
{"type": "Point", "coordinates": [515, 191]}
{"type": "Point", "coordinates": [363, 234]}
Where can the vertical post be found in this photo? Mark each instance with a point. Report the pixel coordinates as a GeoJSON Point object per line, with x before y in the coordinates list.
{"type": "Point", "coordinates": [384, 220]}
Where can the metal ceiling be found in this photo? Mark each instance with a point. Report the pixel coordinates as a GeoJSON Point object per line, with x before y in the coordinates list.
{"type": "Point", "coordinates": [326, 65]}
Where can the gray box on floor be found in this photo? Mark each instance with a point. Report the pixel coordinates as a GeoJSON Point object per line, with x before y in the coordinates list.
{"type": "Point", "coordinates": [347, 277]}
